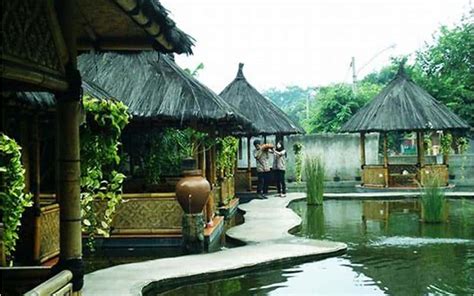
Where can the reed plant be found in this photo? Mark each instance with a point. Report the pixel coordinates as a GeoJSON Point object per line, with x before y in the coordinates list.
{"type": "Point", "coordinates": [433, 201]}
{"type": "Point", "coordinates": [314, 177]}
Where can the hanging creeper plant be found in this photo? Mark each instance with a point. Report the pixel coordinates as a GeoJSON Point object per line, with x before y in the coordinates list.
{"type": "Point", "coordinates": [298, 150]}
{"type": "Point", "coordinates": [13, 199]}
{"type": "Point", "coordinates": [100, 181]}
{"type": "Point", "coordinates": [227, 155]}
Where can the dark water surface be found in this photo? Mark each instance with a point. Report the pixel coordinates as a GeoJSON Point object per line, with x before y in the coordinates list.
{"type": "Point", "coordinates": [390, 252]}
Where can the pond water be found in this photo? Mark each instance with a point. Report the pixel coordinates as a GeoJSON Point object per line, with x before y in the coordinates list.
{"type": "Point", "coordinates": [390, 252]}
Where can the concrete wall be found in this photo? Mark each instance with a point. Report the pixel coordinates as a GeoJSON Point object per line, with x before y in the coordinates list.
{"type": "Point", "coordinates": [339, 152]}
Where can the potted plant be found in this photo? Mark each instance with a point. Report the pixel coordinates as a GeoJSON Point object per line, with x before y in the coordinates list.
{"type": "Point", "coordinates": [357, 175]}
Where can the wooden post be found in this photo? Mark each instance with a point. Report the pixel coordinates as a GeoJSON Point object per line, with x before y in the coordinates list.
{"type": "Point", "coordinates": [68, 112]}
{"type": "Point", "coordinates": [35, 188]}
{"type": "Point", "coordinates": [385, 158]}
{"type": "Point", "coordinates": [420, 149]}
{"type": "Point", "coordinates": [25, 150]}
{"type": "Point", "coordinates": [249, 163]}
{"type": "Point", "coordinates": [385, 148]}
{"type": "Point", "coordinates": [265, 139]}
{"type": "Point", "coordinates": [362, 150]}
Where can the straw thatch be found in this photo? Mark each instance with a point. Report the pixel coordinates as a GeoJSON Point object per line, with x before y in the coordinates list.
{"type": "Point", "coordinates": [128, 24]}
{"type": "Point", "coordinates": [403, 106]}
{"type": "Point", "coordinates": [46, 100]}
{"type": "Point", "coordinates": [156, 89]}
{"type": "Point", "coordinates": [266, 116]}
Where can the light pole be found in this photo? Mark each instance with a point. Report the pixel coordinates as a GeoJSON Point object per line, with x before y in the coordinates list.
{"type": "Point", "coordinates": [354, 72]}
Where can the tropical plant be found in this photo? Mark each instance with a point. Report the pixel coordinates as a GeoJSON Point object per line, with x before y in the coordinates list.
{"type": "Point", "coordinates": [446, 143]}
{"type": "Point", "coordinates": [100, 181]}
{"type": "Point", "coordinates": [227, 148]}
{"type": "Point", "coordinates": [298, 151]}
{"type": "Point", "coordinates": [433, 201]}
{"type": "Point", "coordinates": [314, 177]}
{"type": "Point", "coordinates": [13, 199]}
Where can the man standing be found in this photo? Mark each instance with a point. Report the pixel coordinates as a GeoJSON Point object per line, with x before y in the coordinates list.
{"type": "Point", "coordinates": [263, 168]}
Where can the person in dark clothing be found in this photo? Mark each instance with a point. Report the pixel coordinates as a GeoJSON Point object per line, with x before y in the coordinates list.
{"type": "Point", "coordinates": [279, 167]}
{"type": "Point", "coordinates": [263, 168]}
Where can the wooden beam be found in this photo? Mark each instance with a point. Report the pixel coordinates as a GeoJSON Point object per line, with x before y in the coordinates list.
{"type": "Point", "coordinates": [385, 152]}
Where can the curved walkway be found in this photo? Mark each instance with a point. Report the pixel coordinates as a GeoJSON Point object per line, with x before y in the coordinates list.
{"type": "Point", "coordinates": [265, 232]}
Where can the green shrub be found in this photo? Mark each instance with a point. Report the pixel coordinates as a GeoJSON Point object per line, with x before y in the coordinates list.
{"type": "Point", "coordinates": [298, 150]}
{"type": "Point", "coordinates": [314, 176]}
{"type": "Point", "coordinates": [13, 199]}
{"type": "Point", "coordinates": [433, 201]}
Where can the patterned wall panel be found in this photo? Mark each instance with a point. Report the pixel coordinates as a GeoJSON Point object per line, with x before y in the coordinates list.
{"type": "Point", "coordinates": [27, 35]}
{"type": "Point", "coordinates": [151, 214]}
{"type": "Point", "coordinates": [374, 176]}
{"type": "Point", "coordinates": [49, 232]}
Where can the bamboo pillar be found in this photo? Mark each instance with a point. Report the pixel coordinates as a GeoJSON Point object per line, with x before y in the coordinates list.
{"type": "Point", "coordinates": [25, 150]}
{"type": "Point", "coordinates": [420, 149]}
{"type": "Point", "coordinates": [249, 163]}
{"type": "Point", "coordinates": [385, 158]}
{"type": "Point", "coordinates": [68, 112]}
{"type": "Point", "coordinates": [385, 148]}
{"type": "Point", "coordinates": [35, 188]}
{"type": "Point", "coordinates": [362, 150]}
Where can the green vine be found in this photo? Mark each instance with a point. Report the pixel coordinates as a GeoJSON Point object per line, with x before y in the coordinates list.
{"type": "Point", "coordinates": [100, 134]}
{"type": "Point", "coordinates": [227, 155]}
{"type": "Point", "coordinates": [446, 142]}
{"type": "Point", "coordinates": [298, 150]}
{"type": "Point", "coordinates": [13, 199]}
{"type": "Point", "coordinates": [463, 144]}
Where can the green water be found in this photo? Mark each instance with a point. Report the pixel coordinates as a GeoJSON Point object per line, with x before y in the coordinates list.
{"type": "Point", "coordinates": [389, 253]}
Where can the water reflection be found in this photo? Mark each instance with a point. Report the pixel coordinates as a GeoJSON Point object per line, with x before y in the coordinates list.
{"type": "Point", "coordinates": [390, 252]}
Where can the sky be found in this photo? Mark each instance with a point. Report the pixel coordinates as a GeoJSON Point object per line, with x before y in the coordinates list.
{"type": "Point", "coordinates": [304, 42]}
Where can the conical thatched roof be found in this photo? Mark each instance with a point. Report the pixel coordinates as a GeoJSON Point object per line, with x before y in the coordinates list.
{"type": "Point", "coordinates": [403, 106]}
{"type": "Point", "coordinates": [156, 89]}
{"type": "Point", "coordinates": [265, 115]}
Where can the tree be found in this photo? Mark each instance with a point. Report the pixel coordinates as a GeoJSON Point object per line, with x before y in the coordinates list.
{"type": "Point", "coordinates": [447, 68]}
{"type": "Point", "coordinates": [336, 104]}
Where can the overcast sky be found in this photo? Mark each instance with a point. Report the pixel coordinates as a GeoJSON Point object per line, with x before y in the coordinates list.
{"type": "Point", "coordinates": [304, 42]}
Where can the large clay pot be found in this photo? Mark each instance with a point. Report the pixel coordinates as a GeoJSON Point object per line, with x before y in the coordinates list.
{"type": "Point", "coordinates": [192, 191]}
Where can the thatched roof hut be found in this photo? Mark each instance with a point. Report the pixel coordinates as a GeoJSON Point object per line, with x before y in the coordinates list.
{"type": "Point", "coordinates": [157, 90]}
{"type": "Point", "coordinates": [404, 106]}
{"type": "Point", "coordinates": [266, 116]}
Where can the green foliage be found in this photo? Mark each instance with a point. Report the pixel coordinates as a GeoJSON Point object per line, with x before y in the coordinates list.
{"type": "Point", "coordinates": [314, 177]}
{"type": "Point", "coordinates": [292, 100]}
{"type": "Point", "coordinates": [168, 148]}
{"type": "Point", "coordinates": [195, 72]}
{"type": "Point", "coordinates": [227, 155]}
{"type": "Point", "coordinates": [13, 200]}
{"type": "Point", "coordinates": [462, 144]}
{"type": "Point", "coordinates": [298, 150]}
{"type": "Point", "coordinates": [446, 143]}
{"type": "Point", "coordinates": [100, 135]}
{"type": "Point", "coordinates": [433, 201]}
{"type": "Point", "coordinates": [336, 104]}
{"type": "Point", "coordinates": [447, 67]}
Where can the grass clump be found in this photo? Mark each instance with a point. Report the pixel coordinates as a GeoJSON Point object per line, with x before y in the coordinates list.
{"type": "Point", "coordinates": [314, 177]}
{"type": "Point", "coordinates": [433, 201]}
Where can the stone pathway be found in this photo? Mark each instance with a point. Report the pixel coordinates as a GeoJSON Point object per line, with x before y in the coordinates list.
{"type": "Point", "coordinates": [265, 232]}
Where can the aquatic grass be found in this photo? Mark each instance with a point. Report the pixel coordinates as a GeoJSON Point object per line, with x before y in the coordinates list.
{"type": "Point", "coordinates": [433, 201]}
{"type": "Point", "coordinates": [314, 177]}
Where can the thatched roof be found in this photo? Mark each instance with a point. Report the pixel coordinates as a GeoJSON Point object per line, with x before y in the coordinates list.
{"type": "Point", "coordinates": [156, 89]}
{"type": "Point", "coordinates": [403, 106]}
{"type": "Point", "coordinates": [266, 116]}
{"type": "Point", "coordinates": [128, 24]}
{"type": "Point", "coordinates": [46, 100]}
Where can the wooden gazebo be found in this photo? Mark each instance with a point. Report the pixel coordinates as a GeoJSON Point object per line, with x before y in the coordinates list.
{"type": "Point", "coordinates": [40, 44]}
{"type": "Point", "coordinates": [403, 106]}
{"type": "Point", "coordinates": [268, 118]}
{"type": "Point", "coordinates": [159, 94]}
